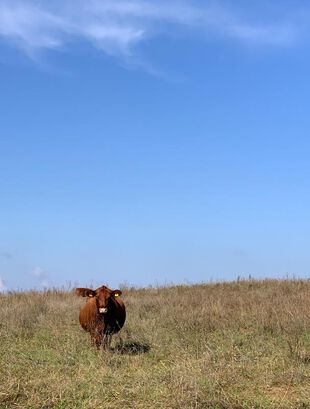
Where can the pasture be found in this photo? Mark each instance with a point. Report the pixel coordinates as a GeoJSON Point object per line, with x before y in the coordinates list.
{"type": "Point", "coordinates": [233, 345]}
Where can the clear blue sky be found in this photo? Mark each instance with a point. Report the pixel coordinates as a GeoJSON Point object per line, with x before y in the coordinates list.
{"type": "Point", "coordinates": [153, 142]}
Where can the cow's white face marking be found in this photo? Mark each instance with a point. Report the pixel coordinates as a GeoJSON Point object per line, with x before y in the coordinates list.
{"type": "Point", "coordinates": [103, 310]}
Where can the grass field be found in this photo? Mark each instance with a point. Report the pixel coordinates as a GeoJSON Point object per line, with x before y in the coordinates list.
{"type": "Point", "coordinates": [229, 345]}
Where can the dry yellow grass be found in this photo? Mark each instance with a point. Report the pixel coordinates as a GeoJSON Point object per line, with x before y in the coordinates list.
{"type": "Point", "coordinates": [231, 345]}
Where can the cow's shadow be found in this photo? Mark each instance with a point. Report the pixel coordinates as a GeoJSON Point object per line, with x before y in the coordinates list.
{"type": "Point", "coordinates": [131, 348]}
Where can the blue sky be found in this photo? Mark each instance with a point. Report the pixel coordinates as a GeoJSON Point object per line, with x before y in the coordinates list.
{"type": "Point", "coordinates": [153, 142]}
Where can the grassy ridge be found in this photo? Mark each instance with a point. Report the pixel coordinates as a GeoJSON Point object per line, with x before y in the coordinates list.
{"type": "Point", "coordinates": [227, 346]}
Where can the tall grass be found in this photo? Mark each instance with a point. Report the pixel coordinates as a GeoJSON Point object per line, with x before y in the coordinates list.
{"type": "Point", "coordinates": [230, 345]}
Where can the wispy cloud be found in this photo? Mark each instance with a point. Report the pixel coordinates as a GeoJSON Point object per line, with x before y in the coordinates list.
{"type": "Point", "coordinates": [3, 288]}
{"type": "Point", "coordinates": [117, 26]}
{"type": "Point", "coordinates": [41, 275]}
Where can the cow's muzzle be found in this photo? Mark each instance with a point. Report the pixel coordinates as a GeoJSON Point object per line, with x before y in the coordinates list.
{"type": "Point", "coordinates": [103, 310]}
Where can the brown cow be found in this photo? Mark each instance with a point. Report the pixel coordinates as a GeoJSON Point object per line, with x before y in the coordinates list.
{"type": "Point", "coordinates": [103, 314]}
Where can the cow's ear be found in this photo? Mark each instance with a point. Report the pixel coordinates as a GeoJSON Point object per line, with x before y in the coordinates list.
{"type": "Point", "coordinates": [85, 292]}
{"type": "Point", "coordinates": [116, 293]}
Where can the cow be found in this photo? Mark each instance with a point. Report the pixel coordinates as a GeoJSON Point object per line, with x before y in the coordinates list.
{"type": "Point", "coordinates": [102, 315]}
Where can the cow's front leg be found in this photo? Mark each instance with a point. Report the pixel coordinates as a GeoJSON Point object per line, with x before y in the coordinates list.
{"type": "Point", "coordinates": [96, 338]}
{"type": "Point", "coordinates": [106, 341]}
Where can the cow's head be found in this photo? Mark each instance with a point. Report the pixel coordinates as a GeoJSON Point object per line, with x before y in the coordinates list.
{"type": "Point", "coordinates": [102, 295]}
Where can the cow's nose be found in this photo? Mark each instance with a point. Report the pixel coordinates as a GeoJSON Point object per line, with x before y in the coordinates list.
{"type": "Point", "coordinates": [103, 310]}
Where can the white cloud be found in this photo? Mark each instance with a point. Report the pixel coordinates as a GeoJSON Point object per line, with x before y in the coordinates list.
{"type": "Point", "coordinates": [3, 288]}
{"type": "Point", "coordinates": [117, 26]}
{"type": "Point", "coordinates": [42, 276]}
{"type": "Point", "coordinates": [284, 35]}
{"type": "Point", "coordinates": [38, 272]}
{"type": "Point", "coordinates": [45, 284]}
{"type": "Point", "coordinates": [31, 28]}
